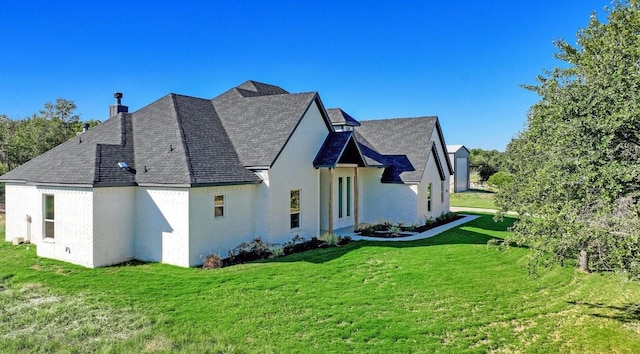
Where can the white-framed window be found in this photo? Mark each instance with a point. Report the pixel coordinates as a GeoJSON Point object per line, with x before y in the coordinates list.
{"type": "Point", "coordinates": [218, 205]}
{"type": "Point", "coordinates": [295, 208]}
{"type": "Point", "coordinates": [443, 189]}
{"type": "Point", "coordinates": [348, 196]}
{"type": "Point", "coordinates": [429, 191]}
{"type": "Point", "coordinates": [49, 215]}
{"type": "Point", "coordinates": [340, 188]}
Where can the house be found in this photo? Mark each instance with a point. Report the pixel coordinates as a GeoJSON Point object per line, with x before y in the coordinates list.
{"type": "Point", "coordinates": [459, 160]}
{"type": "Point", "coordinates": [185, 177]}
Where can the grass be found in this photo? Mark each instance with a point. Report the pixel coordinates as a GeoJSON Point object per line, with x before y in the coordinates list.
{"type": "Point", "coordinates": [475, 198]}
{"type": "Point", "coordinates": [449, 293]}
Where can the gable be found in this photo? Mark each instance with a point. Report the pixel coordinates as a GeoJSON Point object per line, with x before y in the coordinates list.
{"type": "Point", "coordinates": [259, 127]}
{"type": "Point", "coordinates": [401, 144]}
{"type": "Point", "coordinates": [339, 147]}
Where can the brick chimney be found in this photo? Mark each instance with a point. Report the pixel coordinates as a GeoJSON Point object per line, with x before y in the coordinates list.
{"type": "Point", "coordinates": [118, 107]}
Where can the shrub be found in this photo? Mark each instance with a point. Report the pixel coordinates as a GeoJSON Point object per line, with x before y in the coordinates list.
{"type": "Point", "coordinates": [330, 239]}
{"type": "Point", "coordinates": [395, 230]}
{"type": "Point", "coordinates": [212, 261]}
{"type": "Point", "coordinates": [247, 252]}
{"type": "Point", "coordinates": [428, 221]}
{"type": "Point", "coordinates": [343, 240]}
{"type": "Point", "coordinates": [300, 244]}
{"type": "Point", "coordinates": [500, 179]}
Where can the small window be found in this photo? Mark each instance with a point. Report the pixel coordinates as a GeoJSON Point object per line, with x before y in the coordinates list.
{"type": "Point", "coordinates": [340, 197]}
{"type": "Point", "coordinates": [49, 216]}
{"type": "Point", "coordinates": [443, 189]}
{"type": "Point", "coordinates": [348, 196]}
{"type": "Point", "coordinates": [429, 197]}
{"type": "Point", "coordinates": [295, 209]}
{"type": "Point", "coordinates": [218, 206]}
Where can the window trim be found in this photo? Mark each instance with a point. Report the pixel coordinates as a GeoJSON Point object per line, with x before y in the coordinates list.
{"type": "Point", "coordinates": [45, 220]}
{"type": "Point", "coordinates": [296, 212]}
{"type": "Point", "coordinates": [348, 196]}
{"type": "Point", "coordinates": [216, 206]}
{"type": "Point", "coordinates": [340, 197]}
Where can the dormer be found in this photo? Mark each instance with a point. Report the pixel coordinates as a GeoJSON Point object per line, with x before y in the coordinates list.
{"type": "Point", "coordinates": [341, 121]}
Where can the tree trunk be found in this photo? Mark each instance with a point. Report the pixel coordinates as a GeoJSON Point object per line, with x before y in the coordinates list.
{"type": "Point", "coordinates": [584, 261]}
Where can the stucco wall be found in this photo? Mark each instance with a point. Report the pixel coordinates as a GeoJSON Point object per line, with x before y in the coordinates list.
{"type": "Point", "coordinates": [211, 235]}
{"type": "Point", "coordinates": [161, 225]}
{"type": "Point", "coordinates": [113, 225]}
{"type": "Point", "coordinates": [438, 206]}
{"type": "Point", "coordinates": [294, 170]}
{"type": "Point", "coordinates": [382, 202]}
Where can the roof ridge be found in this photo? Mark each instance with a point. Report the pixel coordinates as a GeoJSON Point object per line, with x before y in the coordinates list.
{"type": "Point", "coordinates": [182, 137]}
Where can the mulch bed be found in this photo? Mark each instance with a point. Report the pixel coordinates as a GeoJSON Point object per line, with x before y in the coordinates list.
{"type": "Point", "coordinates": [406, 231]}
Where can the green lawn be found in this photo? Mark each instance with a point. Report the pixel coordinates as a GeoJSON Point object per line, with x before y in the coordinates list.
{"type": "Point", "coordinates": [449, 293]}
{"type": "Point", "coordinates": [474, 198]}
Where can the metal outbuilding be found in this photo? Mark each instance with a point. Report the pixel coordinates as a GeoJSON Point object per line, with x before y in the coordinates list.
{"type": "Point", "coordinates": [459, 158]}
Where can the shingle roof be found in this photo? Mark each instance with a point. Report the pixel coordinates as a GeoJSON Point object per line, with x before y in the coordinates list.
{"type": "Point", "coordinates": [340, 117]}
{"type": "Point", "coordinates": [81, 160]}
{"type": "Point", "coordinates": [454, 148]}
{"type": "Point", "coordinates": [181, 140]}
{"type": "Point", "coordinates": [339, 147]}
{"type": "Point", "coordinates": [402, 144]}
{"type": "Point", "coordinates": [259, 126]}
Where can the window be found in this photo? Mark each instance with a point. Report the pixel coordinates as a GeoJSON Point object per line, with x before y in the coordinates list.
{"type": "Point", "coordinates": [442, 191]}
{"type": "Point", "coordinates": [49, 215]}
{"type": "Point", "coordinates": [339, 197]}
{"type": "Point", "coordinates": [348, 196]}
{"type": "Point", "coordinates": [429, 197]}
{"type": "Point", "coordinates": [295, 209]}
{"type": "Point", "coordinates": [218, 206]}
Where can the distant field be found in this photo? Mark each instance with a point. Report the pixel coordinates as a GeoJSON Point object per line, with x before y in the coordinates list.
{"type": "Point", "coordinates": [474, 198]}
{"type": "Point", "coordinates": [449, 293]}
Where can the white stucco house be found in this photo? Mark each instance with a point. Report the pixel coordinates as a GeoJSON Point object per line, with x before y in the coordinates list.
{"type": "Point", "coordinates": [185, 177]}
{"type": "Point", "coordinates": [459, 161]}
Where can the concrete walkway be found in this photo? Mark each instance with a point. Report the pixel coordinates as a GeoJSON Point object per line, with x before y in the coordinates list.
{"type": "Point", "coordinates": [426, 234]}
{"type": "Point", "coordinates": [478, 210]}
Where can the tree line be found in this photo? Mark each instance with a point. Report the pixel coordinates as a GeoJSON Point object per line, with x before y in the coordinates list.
{"type": "Point", "coordinates": [23, 139]}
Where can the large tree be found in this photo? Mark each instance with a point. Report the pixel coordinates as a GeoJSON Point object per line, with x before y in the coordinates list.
{"type": "Point", "coordinates": [577, 162]}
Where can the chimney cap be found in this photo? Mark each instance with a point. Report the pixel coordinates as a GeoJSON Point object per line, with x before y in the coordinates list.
{"type": "Point", "coordinates": [117, 94]}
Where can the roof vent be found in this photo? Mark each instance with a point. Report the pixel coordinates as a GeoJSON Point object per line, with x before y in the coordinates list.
{"type": "Point", "coordinates": [118, 107]}
{"type": "Point", "coordinates": [123, 165]}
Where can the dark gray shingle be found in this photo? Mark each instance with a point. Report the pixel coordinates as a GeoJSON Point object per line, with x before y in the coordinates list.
{"type": "Point", "coordinates": [260, 126]}
{"type": "Point", "coordinates": [403, 144]}
{"type": "Point", "coordinates": [340, 117]}
{"type": "Point", "coordinates": [339, 147]}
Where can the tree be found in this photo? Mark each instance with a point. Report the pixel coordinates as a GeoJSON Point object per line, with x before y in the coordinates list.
{"type": "Point", "coordinates": [22, 140]}
{"type": "Point", "coordinates": [485, 162]}
{"type": "Point", "coordinates": [499, 179]}
{"type": "Point", "coordinates": [576, 165]}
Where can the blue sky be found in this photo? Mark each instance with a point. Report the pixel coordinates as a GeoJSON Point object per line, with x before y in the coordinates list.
{"type": "Point", "coordinates": [460, 60]}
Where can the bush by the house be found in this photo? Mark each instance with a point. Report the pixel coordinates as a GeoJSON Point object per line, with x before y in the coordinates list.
{"type": "Point", "coordinates": [249, 251]}
{"type": "Point", "coordinates": [258, 249]}
{"type": "Point", "coordinates": [300, 244]}
{"type": "Point", "coordinates": [212, 261]}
